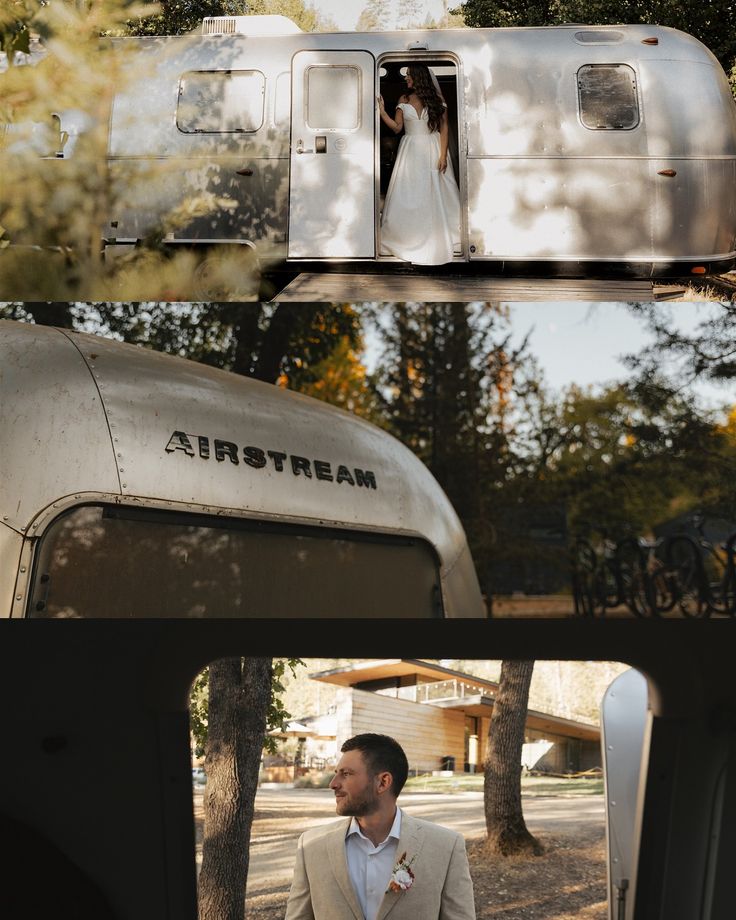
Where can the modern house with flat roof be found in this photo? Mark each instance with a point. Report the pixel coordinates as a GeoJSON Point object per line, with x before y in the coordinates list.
{"type": "Point", "coordinates": [441, 717]}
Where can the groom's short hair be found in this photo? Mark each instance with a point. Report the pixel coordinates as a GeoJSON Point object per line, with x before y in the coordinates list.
{"type": "Point", "coordinates": [381, 753]}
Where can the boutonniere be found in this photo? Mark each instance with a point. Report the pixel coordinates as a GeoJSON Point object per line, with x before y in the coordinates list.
{"type": "Point", "coordinates": [402, 877]}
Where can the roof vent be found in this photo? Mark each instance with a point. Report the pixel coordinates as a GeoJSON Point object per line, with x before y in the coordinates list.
{"type": "Point", "coordinates": [599, 37]}
{"type": "Point", "coordinates": [249, 25]}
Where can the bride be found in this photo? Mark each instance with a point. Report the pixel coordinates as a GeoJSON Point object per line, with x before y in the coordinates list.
{"type": "Point", "coordinates": [421, 214]}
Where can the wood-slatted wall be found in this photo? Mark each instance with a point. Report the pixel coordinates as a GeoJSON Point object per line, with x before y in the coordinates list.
{"type": "Point", "coordinates": [426, 733]}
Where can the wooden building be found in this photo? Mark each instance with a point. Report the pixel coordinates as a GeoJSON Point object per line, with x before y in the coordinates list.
{"type": "Point", "coordinates": [441, 718]}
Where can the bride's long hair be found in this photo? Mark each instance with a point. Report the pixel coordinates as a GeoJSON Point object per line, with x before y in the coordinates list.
{"type": "Point", "coordinates": [431, 99]}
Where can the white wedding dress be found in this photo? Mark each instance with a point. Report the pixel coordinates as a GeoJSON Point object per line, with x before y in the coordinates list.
{"type": "Point", "coordinates": [421, 214]}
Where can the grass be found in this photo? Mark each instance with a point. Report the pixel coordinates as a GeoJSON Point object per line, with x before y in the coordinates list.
{"type": "Point", "coordinates": [530, 785]}
{"type": "Point", "coordinates": [718, 290]}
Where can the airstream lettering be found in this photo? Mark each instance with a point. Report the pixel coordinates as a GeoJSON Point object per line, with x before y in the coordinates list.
{"type": "Point", "coordinates": [131, 519]}
{"type": "Point", "coordinates": [256, 457]}
{"type": "Point", "coordinates": [579, 145]}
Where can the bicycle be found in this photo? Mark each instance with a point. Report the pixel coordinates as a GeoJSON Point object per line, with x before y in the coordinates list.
{"type": "Point", "coordinates": [653, 585]}
{"type": "Point", "coordinates": [631, 563]}
{"type": "Point", "coordinates": [706, 570]}
{"type": "Point", "coordinates": [583, 561]}
{"type": "Point", "coordinates": [600, 583]}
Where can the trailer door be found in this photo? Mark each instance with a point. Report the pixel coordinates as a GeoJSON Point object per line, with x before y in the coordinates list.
{"type": "Point", "coordinates": [332, 193]}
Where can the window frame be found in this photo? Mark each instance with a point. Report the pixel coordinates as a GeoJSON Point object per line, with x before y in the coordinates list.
{"type": "Point", "coordinates": [635, 95]}
{"type": "Point", "coordinates": [221, 73]}
{"type": "Point", "coordinates": [232, 524]}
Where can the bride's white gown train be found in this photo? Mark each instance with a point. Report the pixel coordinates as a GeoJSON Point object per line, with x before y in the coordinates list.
{"type": "Point", "coordinates": [421, 213]}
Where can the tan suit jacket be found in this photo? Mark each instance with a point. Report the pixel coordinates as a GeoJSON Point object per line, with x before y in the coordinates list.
{"type": "Point", "coordinates": [442, 888]}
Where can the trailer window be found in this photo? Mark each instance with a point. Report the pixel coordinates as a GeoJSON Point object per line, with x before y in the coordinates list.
{"type": "Point", "coordinates": [221, 102]}
{"type": "Point", "coordinates": [607, 97]}
{"type": "Point", "coordinates": [333, 97]}
{"type": "Point", "coordinates": [113, 562]}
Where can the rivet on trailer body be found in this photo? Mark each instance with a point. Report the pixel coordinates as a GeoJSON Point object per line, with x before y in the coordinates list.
{"type": "Point", "coordinates": [19, 597]}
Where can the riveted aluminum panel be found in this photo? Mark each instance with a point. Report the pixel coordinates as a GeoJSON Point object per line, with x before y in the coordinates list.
{"type": "Point", "coordinates": [560, 208]}
{"type": "Point", "coordinates": [148, 397]}
{"type": "Point", "coordinates": [54, 438]}
{"type": "Point", "coordinates": [624, 721]}
{"type": "Point", "coordinates": [602, 208]}
{"type": "Point", "coordinates": [11, 544]}
{"type": "Point", "coordinates": [519, 110]}
{"type": "Point", "coordinates": [689, 110]}
{"type": "Point", "coordinates": [198, 438]}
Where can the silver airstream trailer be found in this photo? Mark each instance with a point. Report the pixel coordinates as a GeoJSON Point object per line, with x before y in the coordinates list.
{"type": "Point", "coordinates": [625, 719]}
{"type": "Point", "coordinates": [611, 148]}
{"type": "Point", "coordinates": [136, 484]}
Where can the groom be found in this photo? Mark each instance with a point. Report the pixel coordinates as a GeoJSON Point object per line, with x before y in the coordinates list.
{"type": "Point", "coordinates": [379, 861]}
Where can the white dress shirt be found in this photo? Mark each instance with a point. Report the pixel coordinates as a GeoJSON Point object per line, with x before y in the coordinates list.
{"type": "Point", "coordinates": [370, 867]}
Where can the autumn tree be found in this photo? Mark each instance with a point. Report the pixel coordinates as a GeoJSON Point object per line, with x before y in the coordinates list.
{"type": "Point", "coordinates": [617, 460]}
{"type": "Point", "coordinates": [667, 371]}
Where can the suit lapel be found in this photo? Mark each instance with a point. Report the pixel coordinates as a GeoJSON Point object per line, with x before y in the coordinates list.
{"type": "Point", "coordinates": [339, 866]}
{"type": "Point", "coordinates": [410, 842]}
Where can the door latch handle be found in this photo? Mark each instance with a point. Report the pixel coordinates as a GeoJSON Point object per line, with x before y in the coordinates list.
{"type": "Point", "coordinates": [300, 148]}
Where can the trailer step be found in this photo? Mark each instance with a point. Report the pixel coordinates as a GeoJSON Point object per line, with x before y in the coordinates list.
{"type": "Point", "coordinates": [335, 287]}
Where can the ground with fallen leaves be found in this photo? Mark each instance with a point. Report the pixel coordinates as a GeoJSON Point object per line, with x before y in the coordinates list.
{"type": "Point", "coordinates": [568, 882]}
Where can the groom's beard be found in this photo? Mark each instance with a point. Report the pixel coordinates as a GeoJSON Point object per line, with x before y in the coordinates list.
{"type": "Point", "coordinates": [358, 806]}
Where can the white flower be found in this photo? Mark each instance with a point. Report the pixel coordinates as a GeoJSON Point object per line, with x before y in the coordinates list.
{"type": "Point", "coordinates": [402, 877]}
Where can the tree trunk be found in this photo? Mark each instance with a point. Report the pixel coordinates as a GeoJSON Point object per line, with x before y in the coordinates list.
{"type": "Point", "coordinates": [505, 826]}
{"type": "Point", "coordinates": [51, 313]}
{"type": "Point", "coordinates": [240, 693]}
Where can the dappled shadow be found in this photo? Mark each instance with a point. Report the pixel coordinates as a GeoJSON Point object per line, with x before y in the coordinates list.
{"type": "Point", "coordinates": [549, 187]}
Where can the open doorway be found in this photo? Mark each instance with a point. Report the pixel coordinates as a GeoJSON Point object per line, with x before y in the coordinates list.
{"type": "Point", "coordinates": [441, 712]}
{"type": "Point", "coordinates": [392, 86]}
